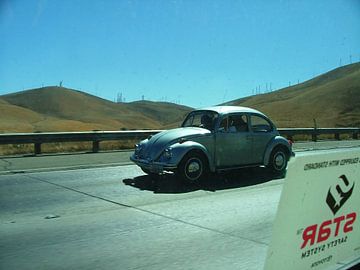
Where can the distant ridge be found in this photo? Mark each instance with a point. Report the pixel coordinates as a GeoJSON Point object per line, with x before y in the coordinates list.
{"type": "Point", "coordinates": [61, 109]}
{"type": "Point", "coordinates": [164, 112]}
{"type": "Point", "coordinates": [332, 99]}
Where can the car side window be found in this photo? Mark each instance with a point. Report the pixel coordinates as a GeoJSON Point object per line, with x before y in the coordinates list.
{"type": "Point", "coordinates": [193, 121]}
{"type": "Point", "coordinates": [260, 124]}
{"type": "Point", "coordinates": [234, 123]}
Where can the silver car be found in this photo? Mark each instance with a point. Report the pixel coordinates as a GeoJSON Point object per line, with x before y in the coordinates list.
{"type": "Point", "coordinates": [214, 139]}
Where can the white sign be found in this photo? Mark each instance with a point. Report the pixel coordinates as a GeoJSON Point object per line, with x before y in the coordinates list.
{"type": "Point", "coordinates": [317, 225]}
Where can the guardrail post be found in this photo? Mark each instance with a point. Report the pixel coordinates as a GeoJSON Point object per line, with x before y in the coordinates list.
{"type": "Point", "coordinates": [337, 136]}
{"type": "Point", "coordinates": [96, 146]}
{"type": "Point", "coordinates": [314, 137]}
{"type": "Point", "coordinates": [37, 148]}
{"type": "Point", "coordinates": [355, 135]}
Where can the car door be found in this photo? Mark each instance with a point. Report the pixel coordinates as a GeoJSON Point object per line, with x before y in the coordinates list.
{"type": "Point", "coordinates": [233, 142]}
{"type": "Point", "coordinates": [262, 132]}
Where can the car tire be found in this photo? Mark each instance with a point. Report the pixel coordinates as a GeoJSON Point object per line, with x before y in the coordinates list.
{"type": "Point", "coordinates": [193, 168]}
{"type": "Point", "coordinates": [278, 161]}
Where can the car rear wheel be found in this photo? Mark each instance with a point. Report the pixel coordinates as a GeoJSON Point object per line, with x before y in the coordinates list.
{"type": "Point", "coordinates": [278, 161]}
{"type": "Point", "coordinates": [193, 167]}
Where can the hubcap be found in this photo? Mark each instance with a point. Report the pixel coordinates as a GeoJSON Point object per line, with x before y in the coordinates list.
{"type": "Point", "coordinates": [193, 169]}
{"type": "Point", "coordinates": [279, 161]}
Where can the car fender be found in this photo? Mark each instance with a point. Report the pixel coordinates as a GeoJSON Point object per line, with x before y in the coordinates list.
{"type": "Point", "coordinates": [180, 149]}
{"type": "Point", "coordinates": [276, 141]}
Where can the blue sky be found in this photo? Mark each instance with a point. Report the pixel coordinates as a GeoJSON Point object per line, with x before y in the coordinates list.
{"type": "Point", "coordinates": [194, 52]}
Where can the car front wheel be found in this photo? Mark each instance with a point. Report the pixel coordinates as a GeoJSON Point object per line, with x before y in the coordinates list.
{"type": "Point", "coordinates": [193, 167]}
{"type": "Point", "coordinates": [278, 161]}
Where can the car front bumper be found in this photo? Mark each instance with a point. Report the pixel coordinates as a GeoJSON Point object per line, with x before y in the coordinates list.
{"type": "Point", "coordinates": [152, 166]}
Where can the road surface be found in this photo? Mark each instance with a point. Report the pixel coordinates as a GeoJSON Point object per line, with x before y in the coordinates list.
{"type": "Point", "coordinates": [118, 218]}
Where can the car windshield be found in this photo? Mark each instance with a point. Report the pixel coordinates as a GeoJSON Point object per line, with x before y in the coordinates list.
{"type": "Point", "coordinates": [203, 119]}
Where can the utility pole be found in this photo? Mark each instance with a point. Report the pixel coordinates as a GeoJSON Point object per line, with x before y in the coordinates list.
{"type": "Point", "coordinates": [119, 98]}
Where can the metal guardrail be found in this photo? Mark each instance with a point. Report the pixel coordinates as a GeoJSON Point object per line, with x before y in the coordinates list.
{"type": "Point", "coordinates": [91, 136]}
{"type": "Point", "coordinates": [98, 136]}
{"type": "Point", "coordinates": [315, 132]}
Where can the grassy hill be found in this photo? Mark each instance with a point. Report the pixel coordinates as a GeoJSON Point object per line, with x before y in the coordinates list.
{"type": "Point", "coordinates": [17, 119]}
{"type": "Point", "coordinates": [62, 109]}
{"type": "Point", "coordinates": [333, 99]}
{"type": "Point", "coordinates": [168, 114]}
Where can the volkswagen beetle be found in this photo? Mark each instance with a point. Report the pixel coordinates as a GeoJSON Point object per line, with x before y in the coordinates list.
{"type": "Point", "coordinates": [214, 139]}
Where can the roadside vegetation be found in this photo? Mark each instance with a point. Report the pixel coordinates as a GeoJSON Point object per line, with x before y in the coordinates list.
{"type": "Point", "coordinates": [52, 148]}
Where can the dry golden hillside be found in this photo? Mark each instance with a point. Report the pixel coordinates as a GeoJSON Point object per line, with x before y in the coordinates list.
{"type": "Point", "coordinates": [168, 114]}
{"type": "Point", "coordinates": [333, 99]}
{"type": "Point", "coordinates": [17, 119]}
{"type": "Point", "coordinates": [61, 109]}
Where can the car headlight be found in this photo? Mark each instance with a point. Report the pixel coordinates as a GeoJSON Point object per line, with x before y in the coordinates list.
{"type": "Point", "coordinates": [167, 154]}
{"type": "Point", "coordinates": [138, 148]}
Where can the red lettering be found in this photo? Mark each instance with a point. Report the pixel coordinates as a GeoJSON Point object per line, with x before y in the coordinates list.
{"type": "Point", "coordinates": [327, 229]}
{"type": "Point", "coordinates": [350, 221]}
{"type": "Point", "coordinates": [338, 221]}
{"type": "Point", "coordinates": [309, 234]}
{"type": "Point", "coordinates": [324, 231]}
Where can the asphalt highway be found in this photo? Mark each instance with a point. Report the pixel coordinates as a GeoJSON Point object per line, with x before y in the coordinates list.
{"type": "Point", "coordinates": [118, 218]}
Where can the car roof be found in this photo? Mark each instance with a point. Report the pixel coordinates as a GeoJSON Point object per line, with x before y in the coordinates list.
{"type": "Point", "coordinates": [230, 109]}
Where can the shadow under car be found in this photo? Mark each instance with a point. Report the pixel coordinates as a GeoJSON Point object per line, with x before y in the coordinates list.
{"type": "Point", "coordinates": [220, 181]}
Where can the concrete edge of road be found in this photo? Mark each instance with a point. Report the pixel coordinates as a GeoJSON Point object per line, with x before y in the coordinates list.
{"type": "Point", "coordinates": [65, 168]}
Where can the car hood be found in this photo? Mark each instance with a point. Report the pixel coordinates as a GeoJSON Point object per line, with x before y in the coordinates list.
{"type": "Point", "coordinates": [157, 143]}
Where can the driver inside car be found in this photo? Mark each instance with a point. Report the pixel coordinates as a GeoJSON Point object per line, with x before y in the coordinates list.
{"type": "Point", "coordinates": [206, 122]}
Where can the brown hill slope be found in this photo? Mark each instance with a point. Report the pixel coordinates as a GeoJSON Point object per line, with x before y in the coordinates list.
{"type": "Point", "coordinates": [168, 114]}
{"type": "Point", "coordinates": [61, 109]}
{"type": "Point", "coordinates": [17, 119]}
{"type": "Point", "coordinates": [333, 99]}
